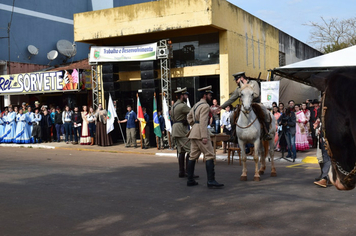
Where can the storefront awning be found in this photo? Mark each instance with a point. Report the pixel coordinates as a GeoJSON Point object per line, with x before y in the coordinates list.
{"type": "Point", "coordinates": [303, 70]}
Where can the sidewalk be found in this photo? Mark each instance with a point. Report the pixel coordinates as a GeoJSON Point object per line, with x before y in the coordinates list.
{"type": "Point", "coordinates": [306, 156]}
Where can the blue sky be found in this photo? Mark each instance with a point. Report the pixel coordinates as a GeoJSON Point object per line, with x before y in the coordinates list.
{"type": "Point", "coordinates": [290, 15]}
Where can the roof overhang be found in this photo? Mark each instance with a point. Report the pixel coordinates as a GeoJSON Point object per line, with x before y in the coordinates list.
{"type": "Point", "coordinates": [303, 70]}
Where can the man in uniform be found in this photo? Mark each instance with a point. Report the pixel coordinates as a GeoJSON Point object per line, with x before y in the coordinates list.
{"type": "Point", "coordinates": [240, 78]}
{"type": "Point", "coordinates": [180, 129]}
{"type": "Point", "coordinates": [199, 136]}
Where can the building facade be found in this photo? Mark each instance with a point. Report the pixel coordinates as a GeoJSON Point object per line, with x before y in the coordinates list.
{"type": "Point", "coordinates": [212, 39]}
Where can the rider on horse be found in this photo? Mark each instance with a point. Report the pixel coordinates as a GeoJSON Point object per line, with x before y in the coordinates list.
{"type": "Point", "coordinates": [264, 118]}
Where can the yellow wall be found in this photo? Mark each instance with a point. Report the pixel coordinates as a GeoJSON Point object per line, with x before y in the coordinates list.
{"type": "Point", "coordinates": [155, 20]}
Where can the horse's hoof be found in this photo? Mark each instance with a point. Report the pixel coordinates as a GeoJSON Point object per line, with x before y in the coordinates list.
{"type": "Point", "coordinates": [261, 172]}
{"type": "Point", "coordinates": [273, 174]}
{"type": "Point", "coordinates": [256, 178]}
{"type": "Point", "coordinates": [243, 178]}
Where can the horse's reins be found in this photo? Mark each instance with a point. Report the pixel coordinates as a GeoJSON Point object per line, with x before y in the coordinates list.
{"type": "Point", "coordinates": [348, 175]}
{"type": "Point", "coordinates": [246, 112]}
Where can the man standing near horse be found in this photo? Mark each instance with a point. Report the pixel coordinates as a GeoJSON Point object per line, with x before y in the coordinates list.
{"type": "Point", "coordinates": [199, 136]}
{"type": "Point", "coordinates": [180, 129]}
{"type": "Point", "coordinates": [264, 118]}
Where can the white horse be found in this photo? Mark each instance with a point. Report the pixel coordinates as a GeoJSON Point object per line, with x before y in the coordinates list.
{"type": "Point", "coordinates": [248, 130]}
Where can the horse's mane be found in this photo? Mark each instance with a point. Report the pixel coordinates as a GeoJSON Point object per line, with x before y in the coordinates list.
{"type": "Point", "coordinates": [258, 110]}
{"type": "Point", "coordinates": [246, 86]}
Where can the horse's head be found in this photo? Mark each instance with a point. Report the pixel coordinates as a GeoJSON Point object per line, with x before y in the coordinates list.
{"type": "Point", "coordinates": [246, 96]}
{"type": "Point", "coordinates": [339, 125]}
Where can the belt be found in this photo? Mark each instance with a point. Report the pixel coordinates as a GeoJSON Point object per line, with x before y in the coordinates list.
{"type": "Point", "coordinates": [196, 122]}
{"type": "Point", "coordinates": [68, 121]}
{"type": "Point", "coordinates": [91, 121]}
{"type": "Point", "coordinates": [177, 122]}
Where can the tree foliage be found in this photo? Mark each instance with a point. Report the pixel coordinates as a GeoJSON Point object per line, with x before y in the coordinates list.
{"type": "Point", "coordinates": [333, 34]}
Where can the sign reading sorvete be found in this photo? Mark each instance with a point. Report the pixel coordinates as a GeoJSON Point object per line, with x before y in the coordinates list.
{"type": "Point", "coordinates": [40, 82]}
{"type": "Point", "coordinates": [143, 52]}
{"type": "Point", "coordinates": [269, 93]}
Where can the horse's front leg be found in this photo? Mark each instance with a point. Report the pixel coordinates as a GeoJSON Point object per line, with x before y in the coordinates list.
{"type": "Point", "coordinates": [255, 158]}
{"type": "Point", "coordinates": [243, 158]}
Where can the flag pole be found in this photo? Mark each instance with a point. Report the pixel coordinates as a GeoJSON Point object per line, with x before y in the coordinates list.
{"type": "Point", "coordinates": [139, 126]}
{"type": "Point", "coordinates": [169, 134]}
{"type": "Point", "coordinates": [157, 140]}
{"type": "Point", "coordinates": [121, 130]}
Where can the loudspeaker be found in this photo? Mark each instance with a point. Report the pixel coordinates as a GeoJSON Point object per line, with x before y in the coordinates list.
{"type": "Point", "coordinates": [149, 83]}
{"type": "Point", "coordinates": [147, 65]}
{"type": "Point", "coordinates": [148, 74]}
{"type": "Point", "coordinates": [110, 68]}
{"type": "Point", "coordinates": [110, 77]}
{"type": "Point", "coordinates": [111, 86]}
{"type": "Point", "coordinates": [114, 95]}
{"type": "Point", "coordinates": [147, 94]}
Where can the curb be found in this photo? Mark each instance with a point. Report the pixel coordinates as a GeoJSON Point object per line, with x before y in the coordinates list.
{"type": "Point", "coordinates": [39, 146]}
{"type": "Point", "coordinates": [310, 159]}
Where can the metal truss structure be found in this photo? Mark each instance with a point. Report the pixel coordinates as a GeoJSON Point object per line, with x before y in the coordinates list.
{"type": "Point", "coordinates": [164, 55]}
{"type": "Point", "coordinates": [96, 85]}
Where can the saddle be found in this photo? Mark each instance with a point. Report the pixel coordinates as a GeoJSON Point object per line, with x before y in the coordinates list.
{"type": "Point", "coordinates": [260, 117]}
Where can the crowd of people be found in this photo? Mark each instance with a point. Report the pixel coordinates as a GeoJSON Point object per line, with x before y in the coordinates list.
{"type": "Point", "coordinates": [26, 124]}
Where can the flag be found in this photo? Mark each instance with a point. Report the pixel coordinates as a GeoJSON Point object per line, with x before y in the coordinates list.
{"type": "Point", "coordinates": [167, 120]}
{"type": "Point", "coordinates": [188, 103]}
{"type": "Point", "coordinates": [141, 118]}
{"type": "Point", "coordinates": [156, 127]}
{"type": "Point", "coordinates": [111, 116]}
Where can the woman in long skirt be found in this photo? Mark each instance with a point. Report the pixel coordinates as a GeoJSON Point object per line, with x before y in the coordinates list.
{"type": "Point", "coordinates": [301, 139]}
{"type": "Point", "coordinates": [85, 138]}
{"type": "Point", "coordinates": [22, 135]}
{"type": "Point", "coordinates": [92, 127]}
{"type": "Point", "coordinates": [10, 128]}
{"type": "Point", "coordinates": [276, 115]}
{"type": "Point", "coordinates": [29, 124]}
{"type": "Point", "coordinates": [2, 127]}
{"type": "Point", "coordinates": [102, 138]}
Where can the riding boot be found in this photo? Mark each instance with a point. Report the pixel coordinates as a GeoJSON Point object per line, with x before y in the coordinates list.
{"type": "Point", "coordinates": [191, 166]}
{"type": "Point", "coordinates": [181, 165]}
{"type": "Point", "coordinates": [321, 172]}
{"type": "Point", "coordinates": [211, 174]}
{"type": "Point", "coordinates": [266, 135]}
{"type": "Point", "coordinates": [186, 162]}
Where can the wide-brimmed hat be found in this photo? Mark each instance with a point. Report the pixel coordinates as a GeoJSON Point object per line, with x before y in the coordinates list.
{"type": "Point", "coordinates": [206, 89]}
{"type": "Point", "coordinates": [182, 91]}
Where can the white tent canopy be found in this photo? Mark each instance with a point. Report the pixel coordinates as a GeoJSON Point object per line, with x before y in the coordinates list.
{"type": "Point", "coordinates": [301, 71]}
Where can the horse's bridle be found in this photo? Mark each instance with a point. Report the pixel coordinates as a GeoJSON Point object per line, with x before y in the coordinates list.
{"type": "Point", "coordinates": [348, 175]}
{"type": "Point", "coordinates": [246, 112]}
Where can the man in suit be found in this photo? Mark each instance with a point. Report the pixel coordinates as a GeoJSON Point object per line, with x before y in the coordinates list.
{"type": "Point", "coordinates": [180, 129]}
{"type": "Point", "coordinates": [199, 136]}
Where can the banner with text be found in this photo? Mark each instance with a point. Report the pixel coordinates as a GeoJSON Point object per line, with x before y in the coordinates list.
{"type": "Point", "coordinates": [269, 93]}
{"type": "Point", "coordinates": [145, 52]}
{"type": "Point", "coordinates": [40, 82]}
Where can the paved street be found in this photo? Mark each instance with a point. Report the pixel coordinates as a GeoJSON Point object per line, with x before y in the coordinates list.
{"type": "Point", "coordinates": [70, 192]}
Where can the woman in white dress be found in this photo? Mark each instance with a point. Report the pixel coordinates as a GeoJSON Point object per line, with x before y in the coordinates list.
{"type": "Point", "coordinates": [92, 127]}
{"type": "Point", "coordinates": [85, 138]}
{"type": "Point", "coordinates": [22, 135]}
{"type": "Point", "coordinates": [10, 128]}
{"type": "Point", "coordinates": [2, 127]}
